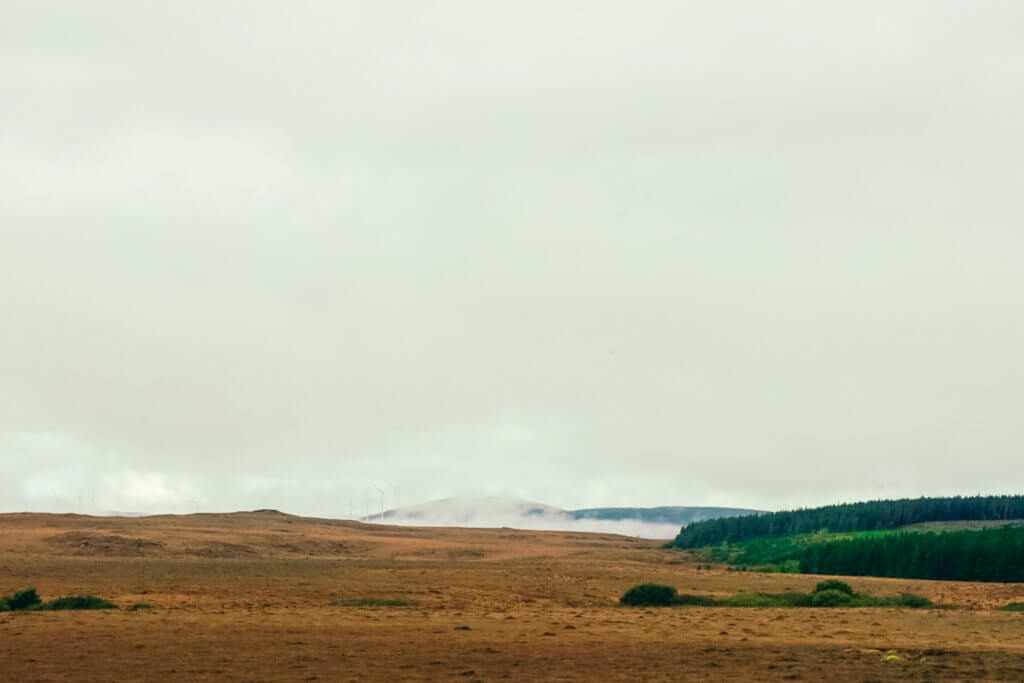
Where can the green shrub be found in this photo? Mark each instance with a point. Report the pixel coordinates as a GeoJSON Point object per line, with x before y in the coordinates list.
{"type": "Point", "coordinates": [696, 600]}
{"type": "Point", "coordinates": [28, 599]}
{"type": "Point", "coordinates": [830, 598]}
{"type": "Point", "coordinates": [23, 599]}
{"type": "Point", "coordinates": [769, 600]}
{"type": "Point", "coordinates": [915, 601]}
{"type": "Point", "coordinates": [834, 585]}
{"type": "Point", "coordinates": [649, 595]}
{"type": "Point", "coordinates": [77, 602]}
{"type": "Point", "coordinates": [1013, 607]}
{"type": "Point", "coordinates": [376, 602]}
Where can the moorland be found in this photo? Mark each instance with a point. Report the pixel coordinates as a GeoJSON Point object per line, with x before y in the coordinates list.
{"type": "Point", "coordinates": [262, 596]}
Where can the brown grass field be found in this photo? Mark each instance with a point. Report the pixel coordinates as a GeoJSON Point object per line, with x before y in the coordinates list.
{"type": "Point", "coordinates": [253, 597]}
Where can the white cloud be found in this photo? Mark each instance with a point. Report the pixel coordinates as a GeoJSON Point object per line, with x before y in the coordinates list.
{"type": "Point", "coordinates": [149, 491]}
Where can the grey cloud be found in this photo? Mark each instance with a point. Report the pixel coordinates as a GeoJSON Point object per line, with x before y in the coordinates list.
{"type": "Point", "coordinates": [586, 254]}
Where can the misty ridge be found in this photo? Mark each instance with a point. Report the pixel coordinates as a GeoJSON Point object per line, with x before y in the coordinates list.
{"type": "Point", "coordinates": [511, 512]}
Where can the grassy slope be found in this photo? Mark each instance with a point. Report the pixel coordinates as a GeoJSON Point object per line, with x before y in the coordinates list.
{"type": "Point", "coordinates": [781, 554]}
{"type": "Point", "coordinates": [964, 525]}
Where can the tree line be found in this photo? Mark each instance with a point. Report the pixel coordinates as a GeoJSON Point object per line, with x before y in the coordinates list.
{"type": "Point", "coordinates": [987, 555]}
{"type": "Point", "coordinates": [866, 516]}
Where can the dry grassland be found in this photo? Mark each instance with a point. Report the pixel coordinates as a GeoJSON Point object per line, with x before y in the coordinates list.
{"type": "Point", "coordinates": [252, 597]}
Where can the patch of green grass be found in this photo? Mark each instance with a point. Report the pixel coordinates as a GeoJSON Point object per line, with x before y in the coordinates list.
{"type": "Point", "coordinates": [953, 549]}
{"type": "Point", "coordinates": [768, 600]}
{"type": "Point", "coordinates": [685, 599]}
{"type": "Point", "coordinates": [962, 525]}
{"type": "Point", "coordinates": [1013, 607]}
{"type": "Point", "coordinates": [780, 554]}
{"type": "Point", "coordinates": [903, 600]}
{"type": "Point", "coordinates": [828, 594]}
{"type": "Point", "coordinates": [827, 598]}
{"type": "Point", "coordinates": [375, 602]}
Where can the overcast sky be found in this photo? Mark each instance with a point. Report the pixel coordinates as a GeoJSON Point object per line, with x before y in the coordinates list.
{"type": "Point", "coordinates": [260, 254]}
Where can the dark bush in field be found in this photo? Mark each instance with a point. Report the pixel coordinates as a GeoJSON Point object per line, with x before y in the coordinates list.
{"type": "Point", "coordinates": [23, 599]}
{"type": "Point", "coordinates": [915, 601]}
{"type": "Point", "coordinates": [830, 598]}
{"type": "Point", "coordinates": [77, 602]}
{"type": "Point", "coordinates": [834, 585]}
{"type": "Point", "coordinates": [826, 595]}
{"type": "Point", "coordinates": [28, 600]}
{"type": "Point", "coordinates": [649, 595]}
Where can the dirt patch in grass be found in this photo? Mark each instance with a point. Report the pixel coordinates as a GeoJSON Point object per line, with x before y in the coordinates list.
{"type": "Point", "coordinates": [220, 549]}
{"type": "Point", "coordinates": [108, 545]}
{"type": "Point", "coordinates": [375, 602]}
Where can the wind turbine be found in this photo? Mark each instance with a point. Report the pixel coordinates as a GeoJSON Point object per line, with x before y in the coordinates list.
{"type": "Point", "coordinates": [381, 492]}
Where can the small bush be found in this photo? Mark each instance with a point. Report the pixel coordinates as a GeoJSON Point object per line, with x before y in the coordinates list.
{"type": "Point", "coordinates": [649, 595]}
{"type": "Point", "coordinates": [1013, 607]}
{"type": "Point", "coordinates": [23, 599]}
{"type": "Point", "coordinates": [376, 602]}
{"type": "Point", "coordinates": [830, 598]}
{"type": "Point", "coordinates": [915, 601]}
{"type": "Point", "coordinates": [790, 567]}
{"type": "Point", "coordinates": [77, 602]}
{"type": "Point", "coordinates": [834, 585]}
{"type": "Point", "coordinates": [4, 605]}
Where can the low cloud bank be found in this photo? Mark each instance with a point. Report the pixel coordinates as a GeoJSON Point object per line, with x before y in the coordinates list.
{"type": "Point", "coordinates": [497, 512]}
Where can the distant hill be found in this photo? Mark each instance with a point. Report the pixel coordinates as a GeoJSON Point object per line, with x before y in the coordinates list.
{"type": "Point", "coordinates": [498, 511]}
